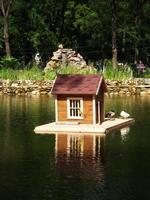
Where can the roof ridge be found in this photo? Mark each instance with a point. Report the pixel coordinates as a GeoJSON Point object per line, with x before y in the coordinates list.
{"type": "Point", "coordinates": [86, 84]}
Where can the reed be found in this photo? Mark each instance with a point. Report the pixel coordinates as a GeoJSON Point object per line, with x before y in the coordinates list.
{"type": "Point", "coordinates": [71, 69]}
{"type": "Point", "coordinates": [13, 74]}
{"type": "Point", "coordinates": [34, 73]}
{"type": "Point", "coordinates": [121, 73]}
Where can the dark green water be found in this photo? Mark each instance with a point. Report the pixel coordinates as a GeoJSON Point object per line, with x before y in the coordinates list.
{"type": "Point", "coordinates": [39, 167]}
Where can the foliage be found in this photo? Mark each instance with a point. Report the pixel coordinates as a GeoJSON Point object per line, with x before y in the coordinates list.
{"type": "Point", "coordinates": [32, 74]}
{"type": "Point", "coordinates": [83, 25]}
{"type": "Point", "coordinates": [123, 73]}
{"type": "Point", "coordinates": [85, 18]}
{"type": "Point", "coordinates": [147, 74]}
{"type": "Point", "coordinates": [8, 74]}
{"type": "Point", "coordinates": [50, 75]}
{"type": "Point", "coordinates": [71, 69]}
{"type": "Point", "coordinates": [9, 62]}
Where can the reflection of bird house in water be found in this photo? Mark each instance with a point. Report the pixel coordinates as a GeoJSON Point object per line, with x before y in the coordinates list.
{"type": "Point", "coordinates": [125, 130]}
{"type": "Point", "coordinates": [79, 98]}
{"type": "Point", "coordinates": [69, 146]}
{"type": "Point", "coordinates": [80, 153]}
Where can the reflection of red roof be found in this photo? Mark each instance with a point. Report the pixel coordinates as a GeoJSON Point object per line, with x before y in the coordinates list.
{"type": "Point", "coordinates": [78, 84]}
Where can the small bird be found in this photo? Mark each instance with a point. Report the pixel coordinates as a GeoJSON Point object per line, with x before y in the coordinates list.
{"type": "Point", "coordinates": [124, 114]}
{"type": "Point", "coordinates": [110, 114]}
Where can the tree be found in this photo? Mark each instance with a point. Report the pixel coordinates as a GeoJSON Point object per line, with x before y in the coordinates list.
{"type": "Point", "coordinates": [5, 8]}
{"type": "Point", "coordinates": [114, 40]}
{"type": "Point", "coordinates": [85, 25]}
{"type": "Point", "coordinates": [80, 28]}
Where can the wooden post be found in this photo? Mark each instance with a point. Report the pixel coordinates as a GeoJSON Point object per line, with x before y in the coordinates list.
{"type": "Point", "coordinates": [99, 112]}
{"type": "Point", "coordinates": [56, 110]}
{"type": "Point", "coordinates": [94, 110]}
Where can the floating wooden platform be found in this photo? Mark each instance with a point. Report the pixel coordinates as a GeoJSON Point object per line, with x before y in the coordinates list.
{"type": "Point", "coordinates": [105, 127]}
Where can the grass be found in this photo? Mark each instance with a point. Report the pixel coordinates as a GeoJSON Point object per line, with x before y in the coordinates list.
{"type": "Point", "coordinates": [74, 70]}
{"type": "Point", "coordinates": [123, 73]}
{"type": "Point", "coordinates": [13, 74]}
{"type": "Point", "coordinates": [34, 73]}
{"type": "Point", "coordinates": [10, 69]}
{"type": "Point", "coordinates": [37, 74]}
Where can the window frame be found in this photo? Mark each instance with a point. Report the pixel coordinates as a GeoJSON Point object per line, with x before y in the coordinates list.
{"type": "Point", "coordinates": [68, 107]}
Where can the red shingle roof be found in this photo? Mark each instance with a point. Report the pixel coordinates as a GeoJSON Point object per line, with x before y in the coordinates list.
{"type": "Point", "coordinates": [78, 84]}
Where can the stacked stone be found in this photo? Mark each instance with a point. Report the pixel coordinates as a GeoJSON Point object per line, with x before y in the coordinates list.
{"type": "Point", "coordinates": [137, 86]}
{"type": "Point", "coordinates": [64, 57]}
{"type": "Point", "coordinates": [25, 87]}
{"type": "Point", "coordinates": [31, 87]}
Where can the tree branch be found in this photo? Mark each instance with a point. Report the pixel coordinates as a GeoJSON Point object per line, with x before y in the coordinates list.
{"type": "Point", "coordinates": [5, 11]}
{"type": "Point", "coordinates": [8, 7]}
{"type": "Point", "coordinates": [2, 7]}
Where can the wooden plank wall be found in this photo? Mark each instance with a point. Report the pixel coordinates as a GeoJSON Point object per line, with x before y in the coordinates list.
{"type": "Point", "coordinates": [87, 109]}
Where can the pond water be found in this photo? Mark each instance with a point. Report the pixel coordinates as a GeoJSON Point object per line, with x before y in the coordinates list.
{"type": "Point", "coordinates": [69, 167]}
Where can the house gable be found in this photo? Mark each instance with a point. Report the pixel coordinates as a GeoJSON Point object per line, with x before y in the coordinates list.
{"type": "Point", "coordinates": [79, 98]}
{"type": "Point", "coordinates": [78, 84]}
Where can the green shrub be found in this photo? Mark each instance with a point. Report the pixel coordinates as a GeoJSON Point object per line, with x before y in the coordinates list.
{"type": "Point", "coordinates": [9, 62]}
{"type": "Point", "coordinates": [147, 73]}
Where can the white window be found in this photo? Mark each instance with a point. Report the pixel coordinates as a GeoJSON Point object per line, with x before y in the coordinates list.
{"type": "Point", "coordinates": [75, 108]}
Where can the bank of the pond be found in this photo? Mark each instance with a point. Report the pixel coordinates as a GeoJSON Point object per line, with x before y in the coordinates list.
{"type": "Point", "coordinates": [137, 86]}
